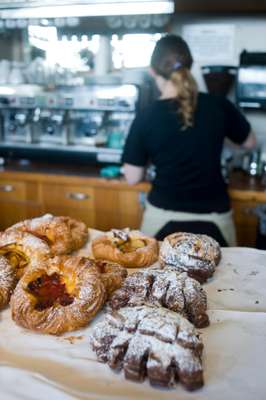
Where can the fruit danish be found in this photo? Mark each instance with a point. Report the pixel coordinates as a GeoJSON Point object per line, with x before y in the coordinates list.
{"type": "Point", "coordinates": [63, 234]}
{"type": "Point", "coordinates": [131, 249]}
{"type": "Point", "coordinates": [22, 249]}
{"type": "Point", "coordinates": [197, 255]}
{"type": "Point", "coordinates": [153, 342]}
{"type": "Point", "coordinates": [61, 294]}
{"type": "Point", "coordinates": [7, 281]}
{"type": "Point", "coordinates": [164, 288]}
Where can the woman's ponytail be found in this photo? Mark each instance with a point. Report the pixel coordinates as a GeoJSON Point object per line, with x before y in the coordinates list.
{"type": "Point", "coordinates": [186, 93]}
{"type": "Point", "coordinates": [172, 60]}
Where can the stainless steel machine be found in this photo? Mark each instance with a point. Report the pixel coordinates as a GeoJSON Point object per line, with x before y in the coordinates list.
{"type": "Point", "coordinates": [17, 114]}
{"type": "Point", "coordinates": [83, 124]}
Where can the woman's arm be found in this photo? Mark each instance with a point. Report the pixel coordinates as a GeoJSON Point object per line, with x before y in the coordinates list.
{"type": "Point", "coordinates": [250, 142]}
{"type": "Point", "coordinates": [133, 174]}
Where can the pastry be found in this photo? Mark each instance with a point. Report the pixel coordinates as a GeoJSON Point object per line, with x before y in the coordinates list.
{"type": "Point", "coordinates": [152, 342]}
{"type": "Point", "coordinates": [22, 249]}
{"type": "Point", "coordinates": [164, 288]}
{"type": "Point", "coordinates": [7, 281]}
{"type": "Point", "coordinates": [60, 294]}
{"type": "Point", "coordinates": [129, 248]}
{"type": "Point", "coordinates": [63, 234]}
{"type": "Point", "coordinates": [112, 274]}
{"type": "Point", "coordinates": [197, 255]}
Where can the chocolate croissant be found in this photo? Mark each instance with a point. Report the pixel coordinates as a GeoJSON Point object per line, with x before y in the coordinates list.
{"type": "Point", "coordinates": [61, 294]}
{"type": "Point", "coordinates": [63, 234]}
{"type": "Point", "coordinates": [197, 255]}
{"type": "Point", "coordinates": [153, 342]}
{"type": "Point", "coordinates": [131, 249]}
{"type": "Point", "coordinates": [164, 288]}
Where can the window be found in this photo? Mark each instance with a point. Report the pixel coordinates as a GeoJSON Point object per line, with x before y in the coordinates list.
{"type": "Point", "coordinates": [133, 50]}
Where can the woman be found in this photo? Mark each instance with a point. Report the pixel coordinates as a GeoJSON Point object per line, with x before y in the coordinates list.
{"type": "Point", "coordinates": [182, 134]}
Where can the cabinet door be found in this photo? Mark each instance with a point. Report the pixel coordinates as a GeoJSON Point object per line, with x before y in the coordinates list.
{"type": "Point", "coordinates": [117, 208]}
{"type": "Point", "coordinates": [246, 222]}
{"type": "Point", "coordinates": [18, 201]}
{"type": "Point", "coordinates": [73, 200]}
{"type": "Point", "coordinates": [131, 208]}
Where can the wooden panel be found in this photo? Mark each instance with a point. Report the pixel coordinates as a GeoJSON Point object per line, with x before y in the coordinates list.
{"type": "Point", "coordinates": [106, 209]}
{"type": "Point", "coordinates": [246, 222]}
{"type": "Point", "coordinates": [12, 190]}
{"type": "Point", "coordinates": [130, 209]}
{"type": "Point", "coordinates": [12, 212]}
{"type": "Point", "coordinates": [72, 196]}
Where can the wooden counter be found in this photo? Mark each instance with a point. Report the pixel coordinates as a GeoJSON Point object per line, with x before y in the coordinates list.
{"type": "Point", "coordinates": [33, 189]}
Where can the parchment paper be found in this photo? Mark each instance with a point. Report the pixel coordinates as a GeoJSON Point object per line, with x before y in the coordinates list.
{"type": "Point", "coordinates": [41, 367]}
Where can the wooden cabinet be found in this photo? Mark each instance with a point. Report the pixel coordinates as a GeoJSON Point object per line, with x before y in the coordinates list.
{"type": "Point", "coordinates": [102, 204]}
{"type": "Point", "coordinates": [74, 200]}
{"type": "Point", "coordinates": [246, 222]}
{"type": "Point", "coordinates": [18, 200]}
{"type": "Point", "coordinates": [99, 203]}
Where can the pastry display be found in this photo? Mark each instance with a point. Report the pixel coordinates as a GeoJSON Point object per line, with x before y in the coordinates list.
{"type": "Point", "coordinates": [153, 342]}
{"type": "Point", "coordinates": [63, 234]}
{"type": "Point", "coordinates": [197, 255]}
{"type": "Point", "coordinates": [60, 294]}
{"type": "Point", "coordinates": [164, 288]}
{"type": "Point", "coordinates": [7, 281]}
{"type": "Point", "coordinates": [132, 249]}
{"type": "Point", "coordinates": [22, 249]}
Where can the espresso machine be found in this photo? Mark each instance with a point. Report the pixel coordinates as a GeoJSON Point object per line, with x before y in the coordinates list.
{"type": "Point", "coordinates": [17, 116]}
{"type": "Point", "coordinates": [86, 124]}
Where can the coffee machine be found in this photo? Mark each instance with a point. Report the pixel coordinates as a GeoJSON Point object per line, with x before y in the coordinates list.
{"type": "Point", "coordinates": [82, 124]}
{"type": "Point", "coordinates": [17, 115]}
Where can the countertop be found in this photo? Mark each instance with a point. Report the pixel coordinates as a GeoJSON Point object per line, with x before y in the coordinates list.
{"type": "Point", "coordinates": [40, 366]}
{"type": "Point", "coordinates": [240, 184]}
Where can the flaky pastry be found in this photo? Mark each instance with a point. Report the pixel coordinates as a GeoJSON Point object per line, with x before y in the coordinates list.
{"type": "Point", "coordinates": [22, 249]}
{"type": "Point", "coordinates": [195, 254]}
{"type": "Point", "coordinates": [62, 293]}
{"type": "Point", "coordinates": [62, 234]}
{"type": "Point", "coordinates": [131, 249]}
{"type": "Point", "coordinates": [7, 281]}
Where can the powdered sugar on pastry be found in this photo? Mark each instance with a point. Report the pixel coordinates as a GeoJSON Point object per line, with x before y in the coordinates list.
{"type": "Point", "coordinates": [196, 254]}
{"type": "Point", "coordinates": [153, 342]}
{"type": "Point", "coordinates": [164, 288]}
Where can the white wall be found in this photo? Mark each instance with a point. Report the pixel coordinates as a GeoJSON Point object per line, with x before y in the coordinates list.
{"type": "Point", "coordinates": [250, 34]}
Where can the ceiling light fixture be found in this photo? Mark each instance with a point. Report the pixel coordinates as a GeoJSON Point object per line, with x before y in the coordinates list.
{"type": "Point", "coordinates": [90, 8]}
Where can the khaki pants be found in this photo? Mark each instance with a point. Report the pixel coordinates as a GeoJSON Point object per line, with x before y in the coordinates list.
{"type": "Point", "coordinates": [155, 218]}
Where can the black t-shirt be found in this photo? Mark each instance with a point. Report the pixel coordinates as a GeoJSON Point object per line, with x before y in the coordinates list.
{"type": "Point", "coordinates": [188, 170]}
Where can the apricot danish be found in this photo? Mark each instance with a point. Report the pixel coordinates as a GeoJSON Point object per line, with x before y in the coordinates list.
{"type": "Point", "coordinates": [63, 234]}
{"type": "Point", "coordinates": [197, 255]}
{"type": "Point", "coordinates": [153, 342]}
{"type": "Point", "coordinates": [7, 281]}
{"type": "Point", "coordinates": [22, 249]}
{"type": "Point", "coordinates": [131, 249]}
{"type": "Point", "coordinates": [164, 288]}
{"type": "Point", "coordinates": [62, 294]}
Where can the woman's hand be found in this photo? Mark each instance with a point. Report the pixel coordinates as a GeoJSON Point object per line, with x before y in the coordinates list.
{"type": "Point", "coordinates": [133, 174]}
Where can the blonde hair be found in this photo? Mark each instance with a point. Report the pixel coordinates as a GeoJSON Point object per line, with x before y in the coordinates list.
{"type": "Point", "coordinates": [172, 60]}
{"type": "Point", "coordinates": [186, 93]}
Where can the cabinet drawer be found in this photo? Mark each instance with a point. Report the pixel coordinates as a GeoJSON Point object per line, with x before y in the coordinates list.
{"type": "Point", "coordinates": [12, 190]}
{"type": "Point", "coordinates": [67, 196]}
